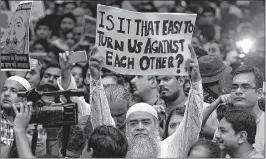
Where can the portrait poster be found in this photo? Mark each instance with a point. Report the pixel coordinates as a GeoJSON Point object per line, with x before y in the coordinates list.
{"type": "Point", "coordinates": [15, 41]}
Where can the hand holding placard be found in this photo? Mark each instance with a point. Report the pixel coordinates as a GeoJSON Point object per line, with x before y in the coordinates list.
{"type": "Point", "coordinates": [192, 66]}
{"type": "Point", "coordinates": [136, 43]}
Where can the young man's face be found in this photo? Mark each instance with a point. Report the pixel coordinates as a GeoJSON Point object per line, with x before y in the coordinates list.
{"type": "Point", "coordinates": [243, 92]}
{"type": "Point", "coordinates": [78, 76]}
{"type": "Point", "coordinates": [34, 76]}
{"type": "Point", "coordinates": [208, 18]}
{"type": "Point", "coordinates": [141, 85]}
{"type": "Point", "coordinates": [170, 87]}
{"type": "Point", "coordinates": [9, 94]}
{"type": "Point", "coordinates": [50, 76]}
{"type": "Point", "coordinates": [226, 136]}
{"type": "Point", "coordinates": [42, 136]}
{"type": "Point", "coordinates": [67, 24]}
{"type": "Point", "coordinates": [43, 32]}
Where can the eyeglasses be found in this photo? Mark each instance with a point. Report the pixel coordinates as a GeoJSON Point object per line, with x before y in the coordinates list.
{"type": "Point", "coordinates": [243, 87]}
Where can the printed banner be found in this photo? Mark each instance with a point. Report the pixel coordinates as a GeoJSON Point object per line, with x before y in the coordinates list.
{"type": "Point", "coordinates": [15, 41]}
{"type": "Point", "coordinates": [136, 43]}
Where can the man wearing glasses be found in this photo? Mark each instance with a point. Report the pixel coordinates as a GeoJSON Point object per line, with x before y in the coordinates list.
{"type": "Point", "coordinates": [246, 90]}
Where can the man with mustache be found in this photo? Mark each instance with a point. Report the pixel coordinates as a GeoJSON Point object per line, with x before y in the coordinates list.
{"type": "Point", "coordinates": [142, 125]}
{"type": "Point", "coordinates": [172, 92]}
{"type": "Point", "coordinates": [9, 96]}
{"type": "Point", "coordinates": [246, 90]}
{"type": "Point", "coordinates": [146, 88]}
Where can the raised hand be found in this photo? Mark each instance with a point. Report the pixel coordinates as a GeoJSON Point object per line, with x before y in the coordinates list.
{"type": "Point", "coordinates": [96, 64]}
{"type": "Point", "coordinates": [225, 99]}
{"type": "Point", "coordinates": [64, 60]}
{"type": "Point", "coordinates": [192, 66]}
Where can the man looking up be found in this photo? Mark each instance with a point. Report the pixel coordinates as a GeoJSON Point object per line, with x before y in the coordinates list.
{"type": "Point", "coordinates": [142, 125]}
{"type": "Point", "coordinates": [9, 96]}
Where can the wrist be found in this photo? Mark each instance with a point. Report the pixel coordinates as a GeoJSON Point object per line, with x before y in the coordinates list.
{"type": "Point", "coordinates": [96, 78]}
{"type": "Point", "coordinates": [217, 101]}
{"type": "Point", "coordinates": [65, 69]}
{"type": "Point", "coordinates": [19, 130]}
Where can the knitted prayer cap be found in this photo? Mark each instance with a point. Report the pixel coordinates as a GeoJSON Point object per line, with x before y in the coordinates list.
{"type": "Point", "coordinates": [144, 107]}
{"type": "Point", "coordinates": [22, 81]}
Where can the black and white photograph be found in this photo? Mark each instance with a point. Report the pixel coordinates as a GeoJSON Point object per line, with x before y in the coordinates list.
{"type": "Point", "coordinates": [132, 79]}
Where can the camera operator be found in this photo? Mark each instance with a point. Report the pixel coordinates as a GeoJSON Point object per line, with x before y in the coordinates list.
{"type": "Point", "coordinates": [24, 132]}
{"type": "Point", "coordinates": [9, 96]}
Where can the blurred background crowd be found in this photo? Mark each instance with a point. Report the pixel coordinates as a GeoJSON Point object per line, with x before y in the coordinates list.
{"type": "Point", "coordinates": [235, 30]}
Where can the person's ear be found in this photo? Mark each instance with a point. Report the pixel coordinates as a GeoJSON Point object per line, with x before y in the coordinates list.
{"type": "Point", "coordinates": [242, 137]}
{"type": "Point", "coordinates": [260, 93]}
{"type": "Point", "coordinates": [154, 83]}
{"type": "Point", "coordinates": [182, 80]}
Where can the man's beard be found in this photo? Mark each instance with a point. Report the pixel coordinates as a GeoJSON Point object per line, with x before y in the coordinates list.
{"type": "Point", "coordinates": [170, 98]}
{"type": "Point", "coordinates": [142, 147]}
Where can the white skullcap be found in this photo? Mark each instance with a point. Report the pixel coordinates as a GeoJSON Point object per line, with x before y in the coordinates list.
{"type": "Point", "coordinates": [22, 81]}
{"type": "Point", "coordinates": [144, 107]}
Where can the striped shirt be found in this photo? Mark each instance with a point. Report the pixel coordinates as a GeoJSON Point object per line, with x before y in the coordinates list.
{"type": "Point", "coordinates": [7, 136]}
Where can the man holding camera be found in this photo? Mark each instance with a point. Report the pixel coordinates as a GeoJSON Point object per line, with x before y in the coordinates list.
{"type": "Point", "coordinates": [9, 96]}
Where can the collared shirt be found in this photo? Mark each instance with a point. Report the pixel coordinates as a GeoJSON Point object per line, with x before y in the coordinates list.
{"type": "Point", "coordinates": [252, 154]}
{"type": "Point", "coordinates": [7, 136]}
{"type": "Point", "coordinates": [259, 144]}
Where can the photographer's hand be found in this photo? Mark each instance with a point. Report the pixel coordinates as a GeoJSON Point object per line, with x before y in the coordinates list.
{"type": "Point", "coordinates": [96, 64]}
{"type": "Point", "coordinates": [23, 115]}
{"type": "Point", "coordinates": [22, 119]}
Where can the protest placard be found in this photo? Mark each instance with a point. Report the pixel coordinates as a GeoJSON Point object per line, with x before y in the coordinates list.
{"type": "Point", "coordinates": [89, 24]}
{"type": "Point", "coordinates": [38, 9]}
{"type": "Point", "coordinates": [136, 43]}
{"type": "Point", "coordinates": [89, 30]}
{"type": "Point", "coordinates": [15, 41]}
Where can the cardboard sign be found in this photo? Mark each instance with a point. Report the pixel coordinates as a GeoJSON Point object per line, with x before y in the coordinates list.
{"type": "Point", "coordinates": [89, 30]}
{"type": "Point", "coordinates": [136, 43]}
{"type": "Point", "coordinates": [15, 41]}
{"type": "Point", "coordinates": [89, 24]}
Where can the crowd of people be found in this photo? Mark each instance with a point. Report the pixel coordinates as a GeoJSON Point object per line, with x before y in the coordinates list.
{"type": "Point", "coordinates": [215, 112]}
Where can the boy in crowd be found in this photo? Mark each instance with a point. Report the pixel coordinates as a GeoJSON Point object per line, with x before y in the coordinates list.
{"type": "Point", "coordinates": [236, 134]}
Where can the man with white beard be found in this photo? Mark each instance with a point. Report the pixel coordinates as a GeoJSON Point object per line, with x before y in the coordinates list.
{"type": "Point", "coordinates": [142, 126]}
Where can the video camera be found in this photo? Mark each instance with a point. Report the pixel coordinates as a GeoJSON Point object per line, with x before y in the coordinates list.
{"type": "Point", "coordinates": [55, 115]}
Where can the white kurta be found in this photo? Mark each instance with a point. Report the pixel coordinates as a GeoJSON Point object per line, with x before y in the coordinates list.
{"type": "Point", "coordinates": [175, 146]}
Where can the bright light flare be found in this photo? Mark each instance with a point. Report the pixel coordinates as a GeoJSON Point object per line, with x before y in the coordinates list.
{"type": "Point", "coordinates": [245, 45]}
